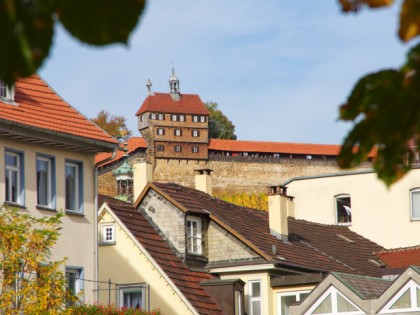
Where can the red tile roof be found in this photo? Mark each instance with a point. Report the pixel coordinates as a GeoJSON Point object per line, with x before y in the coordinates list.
{"type": "Point", "coordinates": [311, 245]}
{"type": "Point", "coordinates": [38, 105]}
{"type": "Point", "coordinates": [186, 280]}
{"type": "Point", "coordinates": [164, 103]}
{"type": "Point", "coordinates": [400, 257]}
{"type": "Point", "coordinates": [273, 147]}
{"type": "Point", "coordinates": [364, 287]}
{"type": "Point", "coordinates": [133, 144]}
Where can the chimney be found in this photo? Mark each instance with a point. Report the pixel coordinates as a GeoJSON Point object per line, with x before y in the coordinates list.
{"type": "Point", "coordinates": [203, 181]}
{"type": "Point", "coordinates": [280, 207]}
{"type": "Point", "coordinates": [142, 174]}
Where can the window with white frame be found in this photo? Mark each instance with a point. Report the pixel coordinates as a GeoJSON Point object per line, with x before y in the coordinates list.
{"type": "Point", "coordinates": [45, 181]}
{"type": "Point", "coordinates": [181, 117]}
{"type": "Point", "coordinates": [14, 177]}
{"type": "Point", "coordinates": [160, 131]}
{"type": "Point", "coordinates": [202, 118]}
{"type": "Point", "coordinates": [343, 209]}
{"type": "Point", "coordinates": [255, 298]}
{"type": "Point", "coordinates": [177, 132]}
{"type": "Point", "coordinates": [194, 149]}
{"type": "Point", "coordinates": [415, 203]}
{"type": "Point", "coordinates": [161, 116]}
{"type": "Point", "coordinates": [284, 300]}
{"type": "Point", "coordinates": [74, 283]}
{"type": "Point", "coordinates": [152, 116]}
{"type": "Point", "coordinates": [333, 302]}
{"type": "Point", "coordinates": [108, 233]}
{"type": "Point", "coordinates": [195, 133]}
{"type": "Point", "coordinates": [195, 118]}
{"type": "Point", "coordinates": [7, 92]}
{"type": "Point", "coordinates": [160, 148]}
{"type": "Point", "coordinates": [178, 148]}
{"type": "Point", "coordinates": [74, 187]}
{"type": "Point", "coordinates": [174, 117]}
{"type": "Point", "coordinates": [194, 236]}
{"type": "Point", "coordinates": [406, 300]}
{"type": "Point", "coordinates": [133, 296]}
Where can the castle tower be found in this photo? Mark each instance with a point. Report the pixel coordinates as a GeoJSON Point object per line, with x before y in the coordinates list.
{"type": "Point", "coordinates": [174, 125]}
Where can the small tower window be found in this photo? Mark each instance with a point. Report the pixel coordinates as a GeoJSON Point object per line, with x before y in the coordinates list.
{"type": "Point", "coordinates": [181, 117]}
{"type": "Point", "coordinates": [161, 116]}
{"type": "Point", "coordinates": [160, 131]}
{"type": "Point", "coordinates": [195, 133]}
{"type": "Point", "coordinates": [202, 118]}
{"type": "Point", "coordinates": [174, 117]}
{"type": "Point", "coordinates": [195, 118]}
{"type": "Point", "coordinates": [160, 147]}
{"type": "Point", "coordinates": [178, 132]}
{"type": "Point", "coordinates": [178, 148]}
{"type": "Point", "coordinates": [194, 149]}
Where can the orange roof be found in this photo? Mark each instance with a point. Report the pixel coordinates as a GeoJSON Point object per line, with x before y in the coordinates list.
{"type": "Point", "coordinates": [38, 105]}
{"type": "Point", "coordinates": [273, 147]}
{"type": "Point", "coordinates": [133, 144]}
{"type": "Point", "coordinates": [400, 257]}
{"type": "Point", "coordinates": [164, 103]}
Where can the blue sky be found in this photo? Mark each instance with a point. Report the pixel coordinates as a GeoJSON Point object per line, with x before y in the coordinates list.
{"type": "Point", "coordinates": [278, 69]}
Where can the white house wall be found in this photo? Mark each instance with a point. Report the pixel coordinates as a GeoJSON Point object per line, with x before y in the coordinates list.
{"type": "Point", "coordinates": [379, 213]}
{"type": "Point", "coordinates": [77, 235]}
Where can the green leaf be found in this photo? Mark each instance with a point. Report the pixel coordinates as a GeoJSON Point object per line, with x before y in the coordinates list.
{"type": "Point", "coordinates": [100, 22]}
{"type": "Point", "coordinates": [26, 34]}
{"type": "Point", "coordinates": [385, 109]}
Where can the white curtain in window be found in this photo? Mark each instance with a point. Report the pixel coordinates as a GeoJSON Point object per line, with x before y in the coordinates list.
{"type": "Point", "coordinates": [415, 203]}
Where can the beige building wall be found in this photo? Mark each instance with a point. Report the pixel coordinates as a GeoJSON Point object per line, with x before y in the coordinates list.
{"type": "Point", "coordinates": [77, 235]}
{"type": "Point", "coordinates": [127, 263]}
{"type": "Point", "coordinates": [380, 214]}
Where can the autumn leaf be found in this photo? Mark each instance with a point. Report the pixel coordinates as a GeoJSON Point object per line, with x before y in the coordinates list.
{"type": "Point", "coordinates": [409, 20]}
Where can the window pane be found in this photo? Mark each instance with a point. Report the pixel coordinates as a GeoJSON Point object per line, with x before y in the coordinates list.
{"type": "Point", "coordinates": [285, 302]}
{"type": "Point", "coordinates": [42, 167]}
{"type": "Point", "coordinates": [12, 160]}
{"type": "Point", "coordinates": [238, 303]}
{"type": "Point", "coordinates": [324, 307]}
{"type": "Point", "coordinates": [415, 204]}
{"type": "Point", "coordinates": [256, 307]}
{"type": "Point", "coordinates": [343, 206]}
{"type": "Point", "coordinates": [403, 302]}
{"type": "Point", "coordinates": [71, 187]}
{"type": "Point", "coordinates": [256, 289]}
{"type": "Point", "coordinates": [343, 305]}
{"type": "Point", "coordinates": [132, 299]}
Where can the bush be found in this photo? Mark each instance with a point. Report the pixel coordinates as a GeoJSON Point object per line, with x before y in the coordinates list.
{"type": "Point", "coordinates": [108, 310]}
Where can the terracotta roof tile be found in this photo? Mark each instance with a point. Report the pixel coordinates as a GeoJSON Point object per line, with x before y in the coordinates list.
{"type": "Point", "coordinates": [310, 245]}
{"type": "Point", "coordinates": [186, 280]}
{"type": "Point", "coordinates": [38, 105]}
{"type": "Point", "coordinates": [400, 257]}
{"type": "Point", "coordinates": [164, 103]}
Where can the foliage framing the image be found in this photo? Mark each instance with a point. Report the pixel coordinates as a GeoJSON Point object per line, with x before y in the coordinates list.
{"type": "Point", "coordinates": [385, 107]}
{"type": "Point", "coordinates": [31, 283]}
{"type": "Point", "coordinates": [27, 28]}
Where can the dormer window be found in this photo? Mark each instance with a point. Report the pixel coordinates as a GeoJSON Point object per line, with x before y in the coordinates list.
{"type": "Point", "coordinates": [7, 92]}
{"type": "Point", "coordinates": [343, 209]}
{"type": "Point", "coordinates": [194, 236]}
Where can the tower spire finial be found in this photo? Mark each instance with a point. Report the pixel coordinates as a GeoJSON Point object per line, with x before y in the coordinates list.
{"type": "Point", "coordinates": [149, 87]}
{"type": "Point", "coordinates": [174, 84]}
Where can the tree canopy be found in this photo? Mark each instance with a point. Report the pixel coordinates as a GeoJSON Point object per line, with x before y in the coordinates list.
{"type": "Point", "coordinates": [385, 105]}
{"type": "Point", "coordinates": [113, 124]}
{"type": "Point", "coordinates": [220, 127]}
{"type": "Point", "coordinates": [27, 28]}
{"type": "Point", "coordinates": [31, 283]}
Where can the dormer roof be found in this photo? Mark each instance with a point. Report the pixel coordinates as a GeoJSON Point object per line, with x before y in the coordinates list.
{"type": "Point", "coordinates": [164, 103]}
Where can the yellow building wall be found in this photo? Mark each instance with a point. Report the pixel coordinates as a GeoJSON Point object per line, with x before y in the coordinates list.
{"type": "Point", "coordinates": [126, 263]}
{"type": "Point", "coordinates": [380, 214]}
{"type": "Point", "coordinates": [77, 235]}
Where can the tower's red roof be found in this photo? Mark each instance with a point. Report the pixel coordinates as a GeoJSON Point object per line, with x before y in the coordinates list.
{"type": "Point", "coordinates": [164, 103]}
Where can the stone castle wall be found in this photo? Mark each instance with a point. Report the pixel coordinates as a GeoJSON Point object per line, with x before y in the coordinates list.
{"type": "Point", "coordinates": [231, 174]}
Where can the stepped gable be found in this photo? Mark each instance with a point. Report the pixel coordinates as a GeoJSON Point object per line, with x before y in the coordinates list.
{"type": "Point", "coordinates": [38, 105]}
{"type": "Point", "coordinates": [186, 280]}
{"type": "Point", "coordinates": [164, 103]}
{"type": "Point", "coordinates": [316, 246]}
{"type": "Point", "coordinates": [400, 258]}
{"type": "Point", "coordinates": [364, 287]}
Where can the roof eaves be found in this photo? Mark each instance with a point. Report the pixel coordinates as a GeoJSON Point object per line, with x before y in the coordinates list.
{"type": "Point", "coordinates": [326, 176]}
{"type": "Point", "coordinates": [23, 129]}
